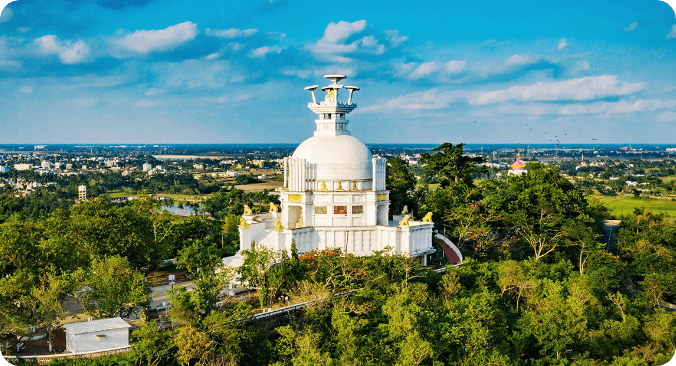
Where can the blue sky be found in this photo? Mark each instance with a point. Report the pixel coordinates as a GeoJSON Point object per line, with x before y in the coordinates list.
{"type": "Point", "coordinates": [160, 71]}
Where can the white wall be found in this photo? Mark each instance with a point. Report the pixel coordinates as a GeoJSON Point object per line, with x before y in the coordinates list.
{"type": "Point", "coordinates": [88, 342]}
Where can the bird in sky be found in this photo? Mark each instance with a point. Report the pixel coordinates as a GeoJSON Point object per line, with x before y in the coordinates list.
{"type": "Point", "coordinates": [593, 138]}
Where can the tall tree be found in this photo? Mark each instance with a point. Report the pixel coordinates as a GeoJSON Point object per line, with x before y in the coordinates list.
{"type": "Point", "coordinates": [402, 184]}
{"type": "Point", "coordinates": [115, 288]}
{"type": "Point", "coordinates": [450, 164]}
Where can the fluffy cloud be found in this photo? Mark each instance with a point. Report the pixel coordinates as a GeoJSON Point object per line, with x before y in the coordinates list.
{"type": "Point", "coordinates": [147, 41]}
{"type": "Point", "coordinates": [581, 89]}
{"type": "Point", "coordinates": [430, 99]}
{"type": "Point", "coordinates": [261, 52]}
{"type": "Point", "coordinates": [394, 38]}
{"type": "Point", "coordinates": [424, 70]}
{"type": "Point", "coordinates": [621, 107]}
{"type": "Point", "coordinates": [518, 60]}
{"type": "Point", "coordinates": [630, 27]}
{"type": "Point", "coordinates": [455, 67]}
{"type": "Point", "coordinates": [413, 70]}
{"type": "Point", "coordinates": [337, 35]}
{"type": "Point", "coordinates": [231, 33]}
{"type": "Point", "coordinates": [6, 14]}
{"type": "Point", "coordinates": [562, 44]}
{"type": "Point", "coordinates": [26, 89]}
{"type": "Point", "coordinates": [672, 34]}
{"type": "Point", "coordinates": [69, 53]}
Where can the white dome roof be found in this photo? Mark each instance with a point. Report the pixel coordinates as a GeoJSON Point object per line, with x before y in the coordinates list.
{"type": "Point", "coordinates": [341, 157]}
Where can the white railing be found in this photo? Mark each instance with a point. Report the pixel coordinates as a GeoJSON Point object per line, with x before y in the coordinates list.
{"type": "Point", "coordinates": [44, 359]}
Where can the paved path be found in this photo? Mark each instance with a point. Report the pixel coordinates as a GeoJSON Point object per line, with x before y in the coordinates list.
{"type": "Point", "coordinates": [160, 296]}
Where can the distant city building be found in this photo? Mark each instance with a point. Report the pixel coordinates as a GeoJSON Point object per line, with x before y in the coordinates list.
{"type": "Point", "coordinates": [198, 166]}
{"type": "Point", "coordinates": [82, 192]}
{"type": "Point", "coordinates": [97, 335]}
{"type": "Point", "coordinates": [69, 166]}
{"type": "Point", "coordinates": [3, 169]}
{"type": "Point", "coordinates": [231, 174]}
{"type": "Point", "coordinates": [45, 165]}
{"type": "Point", "coordinates": [57, 165]}
{"type": "Point", "coordinates": [21, 167]}
{"type": "Point", "coordinates": [147, 167]}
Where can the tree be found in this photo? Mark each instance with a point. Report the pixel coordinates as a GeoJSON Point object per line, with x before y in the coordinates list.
{"type": "Point", "coordinates": [254, 270]}
{"type": "Point", "coordinates": [46, 309]}
{"type": "Point", "coordinates": [199, 259]}
{"type": "Point", "coordinates": [450, 164]}
{"type": "Point", "coordinates": [153, 346]}
{"type": "Point", "coordinates": [542, 209]}
{"type": "Point", "coordinates": [114, 288]}
{"type": "Point", "coordinates": [401, 183]}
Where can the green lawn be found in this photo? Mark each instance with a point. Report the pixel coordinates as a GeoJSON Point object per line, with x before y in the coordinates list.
{"type": "Point", "coordinates": [626, 204]}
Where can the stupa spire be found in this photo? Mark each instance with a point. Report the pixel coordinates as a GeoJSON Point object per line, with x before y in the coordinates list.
{"type": "Point", "coordinates": [331, 112]}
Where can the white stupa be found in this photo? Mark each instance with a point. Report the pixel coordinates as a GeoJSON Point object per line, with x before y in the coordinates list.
{"type": "Point", "coordinates": [334, 194]}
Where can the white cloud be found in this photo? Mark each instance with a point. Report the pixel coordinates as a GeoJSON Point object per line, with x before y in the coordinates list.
{"type": "Point", "coordinates": [518, 60]}
{"type": "Point", "coordinates": [213, 56]}
{"type": "Point", "coordinates": [23, 29]}
{"type": "Point", "coordinates": [234, 47]}
{"type": "Point", "coordinates": [582, 65]}
{"type": "Point", "coordinates": [394, 38]}
{"type": "Point", "coordinates": [455, 67]}
{"type": "Point", "coordinates": [620, 107]}
{"type": "Point", "coordinates": [586, 88]}
{"type": "Point", "coordinates": [147, 41]}
{"type": "Point", "coordinates": [261, 52]}
{"type": "Point", "coordinates": [69, 53]}
{"type": "Point", "coordinates": [427, 100]}
{"type": "Point", "coordinates": [336, 34]}
{"type": "Point", "coordinates": [6, 14]}
{"type": "Point", "coordinates": [672, 34]}
{"type": "Point", "coordinates": [630, 27]}
{"type": "Point", "coordinates": [424, 70]}
{"type": "Point", "coordinates": [562, 44]}
{"type": "Point", "coordinates": [231, 33]}
{"type": "Point", "coordinates": [302, 74]}
{"type": "Point", "coordinates": [666, 117]}
{"type": "Point", "coordinates": [153, 91]}
{"type": "Point", "coordinates": [145, 103]}
{"type": "Point", "coordinates": [26, 89]}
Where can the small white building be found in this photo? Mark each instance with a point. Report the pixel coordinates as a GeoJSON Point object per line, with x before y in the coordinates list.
{"type": "Point", "coordinates": [97, 335]}
{"type": "Point", "coordinates": [147, 167]}
{"type": "Point", "coordinates": [20, 167]}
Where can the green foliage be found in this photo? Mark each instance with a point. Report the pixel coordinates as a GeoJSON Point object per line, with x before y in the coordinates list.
{"type": "Point", "coordinates": [402, 184]}
{"type": "Point", "coordinates": [449, 164]}
{"type": "Point", "coordinates": [114, 288]}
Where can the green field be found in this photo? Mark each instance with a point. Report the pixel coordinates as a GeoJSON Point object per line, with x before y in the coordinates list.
{"type": "Point", "coordinates": [619, 205]}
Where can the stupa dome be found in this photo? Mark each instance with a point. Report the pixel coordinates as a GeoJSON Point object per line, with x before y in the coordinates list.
{"type": "Point", "coordinates": [338, 158]}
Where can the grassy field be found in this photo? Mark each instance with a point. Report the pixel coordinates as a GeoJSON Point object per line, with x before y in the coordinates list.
{"type": "Point", "coordinates": [259, 187]}
{"type": "Point", "coordinates": [626, 204]}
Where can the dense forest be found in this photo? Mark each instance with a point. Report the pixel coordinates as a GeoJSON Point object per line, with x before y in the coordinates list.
{"type": "Point", "coordinates": [537, 287]}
